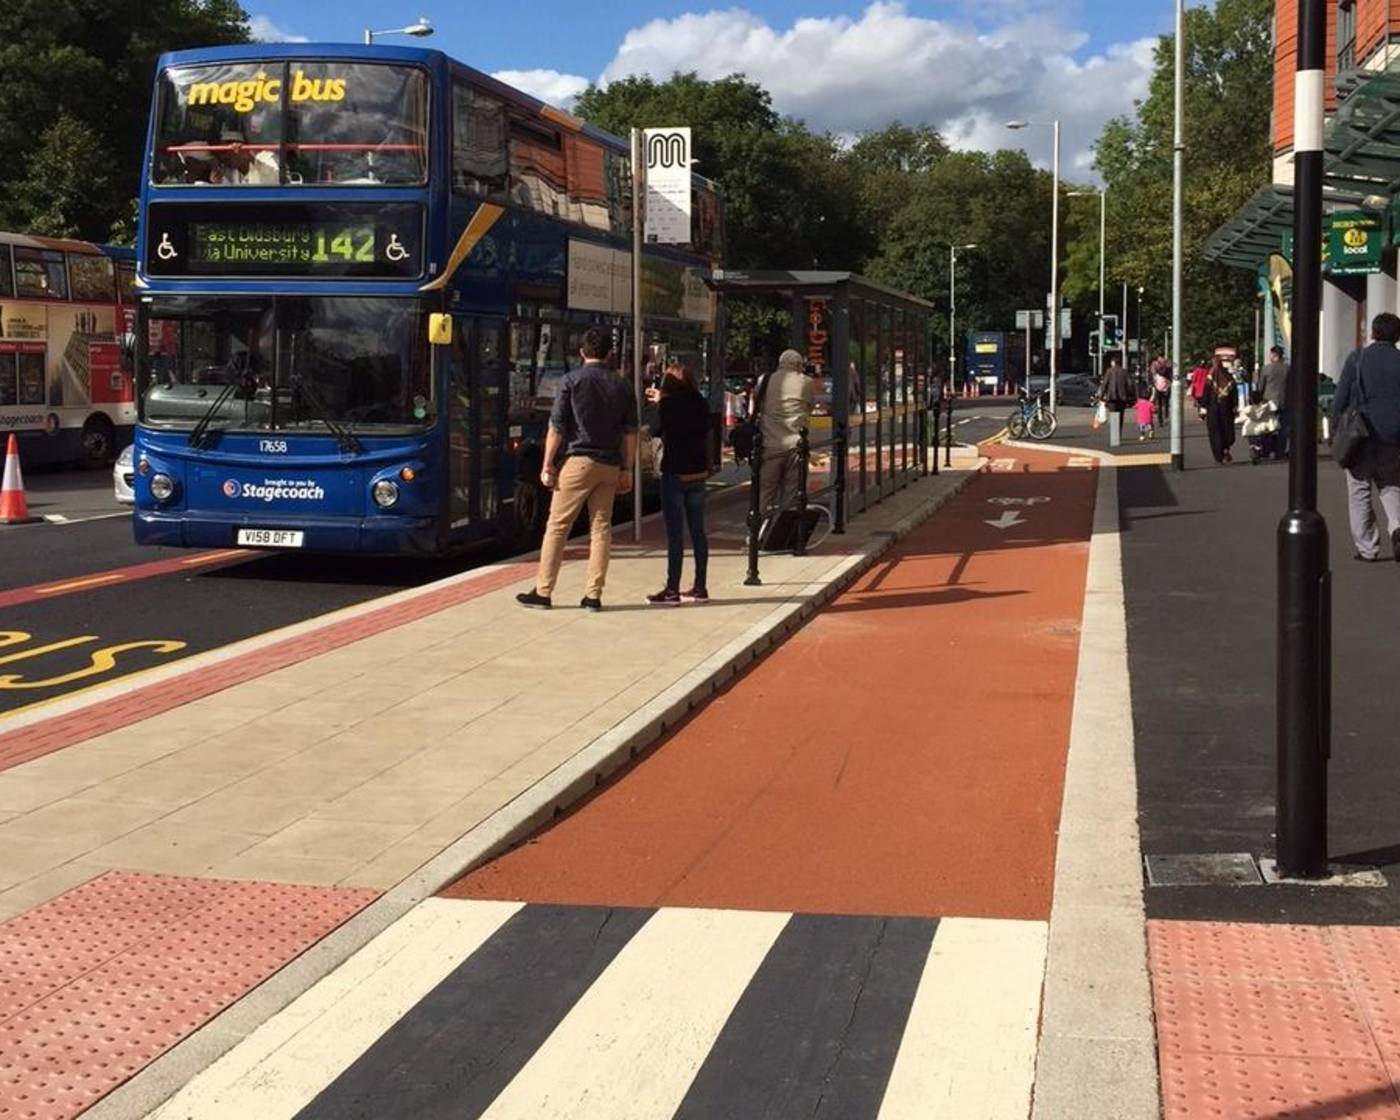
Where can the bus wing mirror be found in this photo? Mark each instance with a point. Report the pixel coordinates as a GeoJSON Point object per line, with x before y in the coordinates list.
{"type": "Point", "coordinates": [440, 329]}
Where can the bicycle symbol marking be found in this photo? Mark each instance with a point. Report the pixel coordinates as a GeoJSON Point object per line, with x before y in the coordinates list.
{"type": "Point", "coordinates": [166, 251]}
{"type": "Point", "coordinates": [1036, 501]}
{"type": "Point", "coordinates": [395, 250]}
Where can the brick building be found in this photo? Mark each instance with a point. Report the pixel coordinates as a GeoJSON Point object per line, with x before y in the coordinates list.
{"type": "Point", "coordinates": [1363, 178]}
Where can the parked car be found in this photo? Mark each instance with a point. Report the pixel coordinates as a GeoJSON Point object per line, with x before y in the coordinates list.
{"type": "Point", "coordinates": [1071, 389]}
{"type": "Point", "coordinates": [124, 477]}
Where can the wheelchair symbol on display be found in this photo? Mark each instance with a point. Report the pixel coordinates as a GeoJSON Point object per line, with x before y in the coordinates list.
{"type": "Point", "coordinates": [394, 250]}
{"type": "Point", "coordinates": [166, 251]}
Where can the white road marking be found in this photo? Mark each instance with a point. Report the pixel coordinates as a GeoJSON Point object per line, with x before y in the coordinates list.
{"type": "Point", "coordinates": [968, 1051]}
{"type": "Point", "coordinates": [631, 1046]}
{"type": "Point", "coordinates": [279, 1068]}
{"type": "Point", "coordinates": [1008, 518]}
{"type": "Point", "coordinates": [1080, 462]}
{"type": "Point", "coordinates": [1003, 466]}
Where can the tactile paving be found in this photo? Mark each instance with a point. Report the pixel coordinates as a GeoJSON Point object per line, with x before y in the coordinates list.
{"type": "Point", "coordinates": [1224, 1087]}
{"type": "Point", "coordinates": [1276, 1021]}
{"type": "Point", "coordinates": [100, 981]}
{"type": "Point", "coordinates": [1237, 951]}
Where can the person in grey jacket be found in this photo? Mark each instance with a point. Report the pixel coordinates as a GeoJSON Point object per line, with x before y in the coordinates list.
{"type": "Point", "coordinates": [1371, 378]}
{"type": "Point", "coordinates": [1273, 387]}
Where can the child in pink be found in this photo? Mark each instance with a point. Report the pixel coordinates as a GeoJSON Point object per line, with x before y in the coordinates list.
{"type": "Point", "coordinates": [1146, 413]}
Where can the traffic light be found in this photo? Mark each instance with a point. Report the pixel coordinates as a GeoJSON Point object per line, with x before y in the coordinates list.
{"type": "Point", "coordinates": [1110, 332]}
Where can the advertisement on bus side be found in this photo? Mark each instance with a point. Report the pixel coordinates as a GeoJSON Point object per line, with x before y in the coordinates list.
{"type": "Point", "coordinates": [61, 360]}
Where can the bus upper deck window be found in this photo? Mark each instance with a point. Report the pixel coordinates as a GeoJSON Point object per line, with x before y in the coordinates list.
{"type": "Point", "coordinates": [40, 273]}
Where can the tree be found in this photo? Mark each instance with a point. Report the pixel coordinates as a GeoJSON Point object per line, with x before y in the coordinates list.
{"type": "Point", "coordinates": [75, 91]}
{"type": "Point", "coordinates": [790, 201]}
{"type": "Point", "coordinates": [1228, 99]}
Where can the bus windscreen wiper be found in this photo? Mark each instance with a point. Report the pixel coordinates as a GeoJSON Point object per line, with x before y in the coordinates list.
{"type": "Point", "coordinates": [198, 432]}
{"type": "Point", "coordinates": [344, 437]}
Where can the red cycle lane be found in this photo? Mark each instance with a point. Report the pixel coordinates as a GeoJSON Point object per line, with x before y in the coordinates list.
{"type": "Point", "coordinates": [903, 754]}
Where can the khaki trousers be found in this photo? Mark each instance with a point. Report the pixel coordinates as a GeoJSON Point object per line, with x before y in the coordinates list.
{"type": "Point", "coordinates": [580, 480]}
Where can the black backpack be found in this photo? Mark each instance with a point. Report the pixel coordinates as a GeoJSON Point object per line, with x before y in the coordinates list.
{"type": "Point", "coordinates": [743, 437]}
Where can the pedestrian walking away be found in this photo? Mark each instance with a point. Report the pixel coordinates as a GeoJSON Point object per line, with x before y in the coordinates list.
{"type": "Point", "coordinates": [685, 470]}
{"type": "Point", "coordinates": [1200, 374]}
{"type": "Point", "coordinates": [1146, 414]}
{"type": "Point", "coordinates": [1371, 380]}
{"type": "Point", "coordinates": [1273, 388]}
{"type": "Point", "coordinates": [786, 410]}
{"type": "Point", "coordinates": [1116, 390]}
{"type": "Point", "coordinates": [1259, 425]}
{"type": "Point", "coordinates": [1219, 405]}
{"type": "Point", "coordinates": [593, 425]}
{"type": "Point", "coordinates": [1162, 388]}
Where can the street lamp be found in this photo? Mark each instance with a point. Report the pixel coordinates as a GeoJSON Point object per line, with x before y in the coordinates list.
{"type": "Point", "coordinates": [953, 312]}
{"type": "Point", "coordinates": [1103, 228]}
{"type": "Point", "coordinates": [1141, 350]}
{"type": "Point", "coordinates": [418, 30]}
{"type": "Point", "coordinates": [1054, 252]}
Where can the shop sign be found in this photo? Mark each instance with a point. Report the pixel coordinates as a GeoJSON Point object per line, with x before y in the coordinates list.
{"type": "Point", "coordinates": [1354, 243]}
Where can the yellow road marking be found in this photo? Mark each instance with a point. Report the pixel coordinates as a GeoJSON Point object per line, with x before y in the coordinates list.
{"type": "Point", "coordinates": [67, 643]}
{"type": "Point", "coordinates": [90, 581]}
{"type": "Point", "coordinates": [210, 557]}
{"type": "Point", "coordinates": [993, 438]}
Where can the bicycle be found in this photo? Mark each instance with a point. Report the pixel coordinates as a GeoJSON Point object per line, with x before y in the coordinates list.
{"type": "Point", "coordinates": [1032, 419]}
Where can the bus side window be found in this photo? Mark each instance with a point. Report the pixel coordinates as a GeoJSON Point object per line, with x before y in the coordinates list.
{"type": "Point", "coordinates": [7, 278]}
{"type": "Point", "coordinates": [479, 162]}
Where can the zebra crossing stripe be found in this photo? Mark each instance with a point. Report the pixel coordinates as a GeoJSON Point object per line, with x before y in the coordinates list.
{"type": "Point", "coordinates": [483, 1022]}
{"type": "Point", "coordinates": [285, 1062]}
{"type": "Point", "coordinates": [969, 1047]}
{"type": "Point", "coordinates": [632, 1045]}
{"type": "Point", "coordinates": [816, 1031]}
{"type": "Point", "coordinates": [467, 1009]}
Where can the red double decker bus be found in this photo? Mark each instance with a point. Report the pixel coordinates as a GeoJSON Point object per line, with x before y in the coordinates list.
{"type": "Point", "coordinates": [66, 318]}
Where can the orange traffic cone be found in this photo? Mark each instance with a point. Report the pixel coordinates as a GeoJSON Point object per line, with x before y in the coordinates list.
{"type": "Point", "coordinates": [13, 508]}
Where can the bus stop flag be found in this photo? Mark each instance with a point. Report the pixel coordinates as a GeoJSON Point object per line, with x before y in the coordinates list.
{"type": "Point", "coordinates": [667, 185]}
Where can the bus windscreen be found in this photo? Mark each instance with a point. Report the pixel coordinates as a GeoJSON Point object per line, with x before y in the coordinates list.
{"type": "Point", "coordinates": [291, 123]}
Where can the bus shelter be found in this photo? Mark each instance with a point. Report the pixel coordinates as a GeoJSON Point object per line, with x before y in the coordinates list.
{"type": "Point", "coordinates": [871, 348]}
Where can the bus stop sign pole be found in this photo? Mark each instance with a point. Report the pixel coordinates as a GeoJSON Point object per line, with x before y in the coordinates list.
{"type": "Point", "coordinates": [638, 220]}
{"type": "Point", "coordinates": [1304, 582]}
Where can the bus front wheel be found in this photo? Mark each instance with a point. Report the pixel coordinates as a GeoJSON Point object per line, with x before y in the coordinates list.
{"type": "Point", "coordinates": [99, 441]}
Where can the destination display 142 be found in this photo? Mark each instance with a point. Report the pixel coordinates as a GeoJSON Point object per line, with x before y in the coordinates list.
{"type": "Point", "coordinates": [346, 242]}
{"type": "Point", "coordinates": [250, 244]}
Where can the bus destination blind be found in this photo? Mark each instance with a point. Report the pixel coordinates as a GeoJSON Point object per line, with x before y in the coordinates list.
{"type": "Point", "coordinates": [322, 241]}
{"type": "Point", "coordinates": [257, 245]}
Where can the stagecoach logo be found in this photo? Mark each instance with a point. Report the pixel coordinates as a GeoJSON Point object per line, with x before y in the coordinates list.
{"type": "Point", "coordinates": [245, 96]}
{"type": "Point", "coordinates": [273, 489]}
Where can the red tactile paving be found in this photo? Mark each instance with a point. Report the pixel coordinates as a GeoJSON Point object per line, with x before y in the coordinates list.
{"type": "Point", "coordinates": [1216, 1087]}
{"type": "Point", "coordinates": [1276, 1020]}
{"type": "Point", "coordinates": [97, 983]}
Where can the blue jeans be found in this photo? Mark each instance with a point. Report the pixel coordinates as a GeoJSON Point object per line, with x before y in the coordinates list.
{"type": "Point", "coordinates": [683, 503]}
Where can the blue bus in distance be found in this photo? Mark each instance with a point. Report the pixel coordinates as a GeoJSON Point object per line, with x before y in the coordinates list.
{"type": "Point", "coordinates": [362, 273]}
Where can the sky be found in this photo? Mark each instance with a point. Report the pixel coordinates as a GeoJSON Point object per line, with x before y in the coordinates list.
{"type": "Point", "coordinates": [964, 66]}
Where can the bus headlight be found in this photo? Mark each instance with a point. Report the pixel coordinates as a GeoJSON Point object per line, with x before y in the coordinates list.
{"type": "Point", "coordinates": [385, 493]}
{"type": "Point", "coordinates": [162, 487]}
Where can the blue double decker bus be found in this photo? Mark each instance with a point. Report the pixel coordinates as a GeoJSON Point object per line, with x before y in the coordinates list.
{"type": "Point", "coordinates": [362, 272]}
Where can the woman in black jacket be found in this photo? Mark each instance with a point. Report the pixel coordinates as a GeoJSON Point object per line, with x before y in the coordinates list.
{"type": "Point", "coordinates": [685, 471]}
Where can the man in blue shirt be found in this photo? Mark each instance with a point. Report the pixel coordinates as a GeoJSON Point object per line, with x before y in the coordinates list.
{"type": "Point", "coordinates": [594, 425]}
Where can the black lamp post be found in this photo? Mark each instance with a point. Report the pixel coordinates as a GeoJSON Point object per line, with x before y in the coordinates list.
{"type": "Point", "coordinates": [1304, 582]}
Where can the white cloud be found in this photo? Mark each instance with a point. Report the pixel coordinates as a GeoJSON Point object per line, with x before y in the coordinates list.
{"type": "Point", "coordinates": [548, 85]}
{"type": "Point", "coordinates": [265, 31]}
{"type": "Point", "coordinates": [849, 74]}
